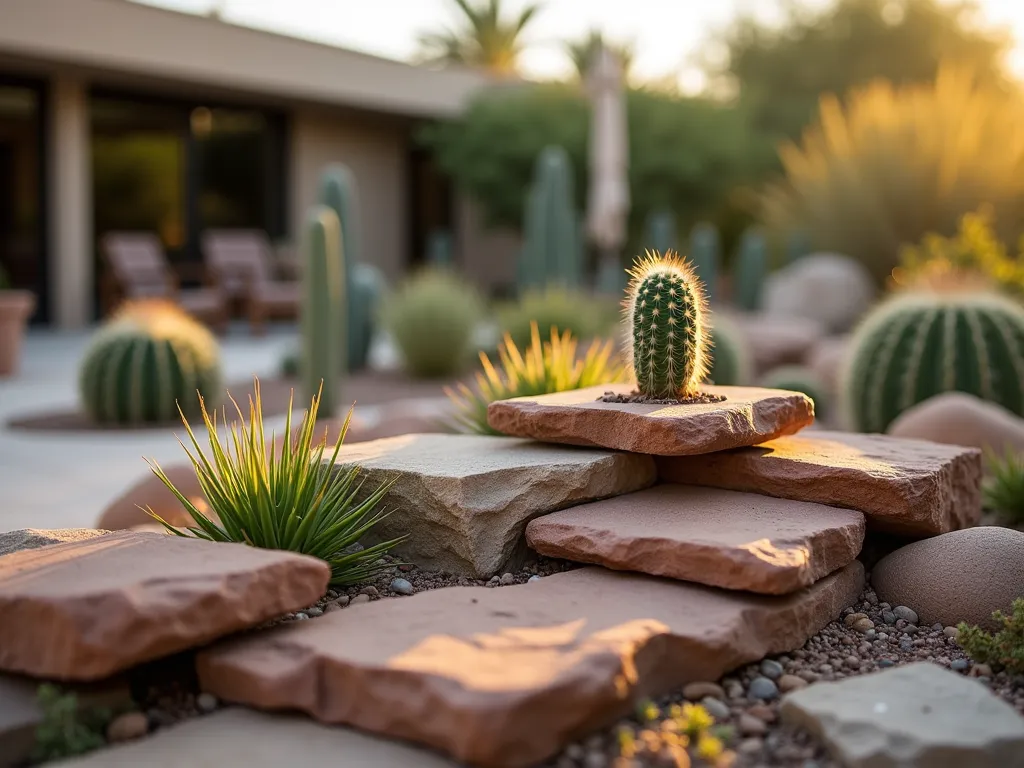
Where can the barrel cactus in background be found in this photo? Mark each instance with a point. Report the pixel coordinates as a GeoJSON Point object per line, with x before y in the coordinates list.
{"type": "Point", "coordinates": [323, 308]}
{"type": "Point", "coordinates": [731, 361]}
{"type": "Point", "coordinates": [799, 378]}
{"type": "Point", "coordinates": [749, 271]}
{"type": "Point", "coordinates": [362, 281]}
{"type": "Point", "coordinates": [917, 345]}
{"type": "Point", "coordinates": [705, 250]}
{"type": "Point", "coordinates": [666, 308]}
{"type": "Point", "coordinates": [660, 232]}
{"type": "Point", "coordinates": [552, 248]}
{"type": "Point", "coordinates": [146, 362]}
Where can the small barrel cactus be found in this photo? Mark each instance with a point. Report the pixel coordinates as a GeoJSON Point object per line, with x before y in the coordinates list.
{"type": "Point", "coordinates": [665, 308]}
{"type": "Point", "coordinates": [918, 345]}
{"type": "Point", "coordinates": [149, 360]}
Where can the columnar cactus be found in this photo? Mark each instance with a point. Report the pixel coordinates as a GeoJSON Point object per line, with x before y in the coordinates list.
{"type": "Point", "coordinates": [921, 344]}
{"type": "Point", "coordinates": [665, 307]}
{"type": "Point", "coordinates": [323, 308]}
{"type": "Point", "coordinates": [362, 292]}
{"type": "Point", "coordinates": [750, 270]}
{"type": "Point", "coordinates": [552, 249]}
{"type": "Point", "coordinates": [146, 362]}
{"type": "Point", "coordinates": [660, 231]}
{"type": "Point", "coordinates": [704, 254]}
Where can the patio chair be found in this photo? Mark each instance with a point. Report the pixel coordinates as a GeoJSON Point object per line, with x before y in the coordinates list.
{"type": "Point", "coordinates": [137, 268]}
{"type": "Point", "coordinates": [242, 264]}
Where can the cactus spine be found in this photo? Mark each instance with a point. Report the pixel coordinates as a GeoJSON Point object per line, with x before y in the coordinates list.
{"type": "Point", "coordinates": [323, 342]}
{"type": "Point", "coordinates": [665, 307]}
{"type": "Point", "coordinates": [919, 345]}
{"type": "Point", "coordinates": [704, 254]}
{"type": "Point", "coordinates": [145, 363]}
{"type": "Point", "coordinates": [660, 231]}
{"type": "Point", "coordinates": [552, 250]}
{"type": "Point", "coordinates": [750, 270]}
{"type": "Point", "coordinates": [338, 191]}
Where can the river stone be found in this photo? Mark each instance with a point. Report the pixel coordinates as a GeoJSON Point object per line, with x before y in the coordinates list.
{"type": "Point", "coordinates": [916, 716]}
{"type": "Point", "coordinates": [465, 500]}
{"type": "Point", "coordinates": [706, 535]}
{"type": "Point", "coordinates": [960, 576]}
{"type": "Point", "coordinates": [241, 737]}
{"type": "Point", "coordinates": [909, 487]}
{"type": "Point", "coordinates": [958, 418]}
{"type": "Point", "coordinates": [505, 678]}
{"type": "Point", "coordinates": [748, 416]}
{"type": "Point", "coordinates": [33, 538]}
{"type": "Point", "coordinates": [87, 609]}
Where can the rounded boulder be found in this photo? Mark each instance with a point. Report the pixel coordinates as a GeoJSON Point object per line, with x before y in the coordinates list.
{"type": "Point", "coordinates": [960, 576]}
{"type": "Point", "coordinates": [957, 418]}
{"type": "Point", "coordinates": [829, 288]}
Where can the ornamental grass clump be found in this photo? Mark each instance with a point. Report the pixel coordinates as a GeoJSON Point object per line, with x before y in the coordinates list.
{"type": "Point", "coordinates": [291, 500]}
{"type": "Point", "coordinates": [541, 369]}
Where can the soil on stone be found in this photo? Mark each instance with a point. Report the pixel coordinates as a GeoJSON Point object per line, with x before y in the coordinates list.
{"type": "Point", "coordinates": [701, 398]}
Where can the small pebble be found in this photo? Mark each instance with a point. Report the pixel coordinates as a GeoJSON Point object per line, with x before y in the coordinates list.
{"type": "Point", "coordinates": [771, 669]}
{"type": "Point", "coordinates": [908, 615]}
{"type": "Point", "coordinates": [752, 726]}
{"type": "Point", "coordinates": [763, 688]}
{"type": "Point", "coordinates": [358, 599]}
{"type": "Point", "coordinates": [981, 670]}
{"type": "Point", "coordinates": [206, 702]}
{"type": "Point", "coordinates": [130, 725]}
{"type": "Point", "coordinates": [406, 567]}
{"type": "Point", "coordinates": [697, 691]}
{"type": "Point", "coordinates": [715, 708]}
{"type": "Point", "coordinates": [888, 617]}
{"type": "Point", "coordinates": [863, 625]}
{"type": "Point", "coordinates": [507, 580]}
{"type": "Point", "coordinates": [750, 746]}
{"type": "Point", "coordinates": [314, 611]}
{"type": "Point", "coordinates": [951, 632]}
{"type": "Point", "coordinates": [885, 663]}
{"type": "Point", "coordinates": [370, 591]}
{"type": "Point", "coordinates": [595, 760]}
{"type": "Point", "coordinates": [494, 582]}
{"type": "Point", "coordinates": [734, 690]}
{"type": "Point", "coordinates": [789, 683]}
{"type": "Point", "coordinates": [401, 586]}
{"type": "Point", "coordinates": [762, 712]}
{"type": "Point", "coordinates": [936, 627]}
{"type": "Point", "coordinates": [535, 577]}
{"type": "Point", "coordinates": [853, 618]}
{"type": "Point", "coordinates": [959, 665]}
{"type": "Point", "coordinates": [301, 616]}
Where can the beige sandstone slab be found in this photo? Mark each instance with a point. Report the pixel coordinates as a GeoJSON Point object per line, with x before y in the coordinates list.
{"type": "Point", "coordinates": [708, 536]}
{"type": "Point", "coordinates": [464, 500]}
{"type": "Point", "coordinates": [241, 738]}
{"type": "Point", "coordinates": [87, 609]}
{"type": "Point", "coordinates": [505, 677]}
{"type": "Point", "coordinates": [910, 487]}
{"type": "Point", "coordinates": [747, 417]}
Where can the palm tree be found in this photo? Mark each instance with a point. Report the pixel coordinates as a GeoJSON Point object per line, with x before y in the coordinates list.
{"type": "Point", "coordinates": [582, 52]}
{"type": "Point", "coordinates": [483, 39]}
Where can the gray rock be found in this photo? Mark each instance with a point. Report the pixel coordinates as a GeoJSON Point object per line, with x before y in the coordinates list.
{"type": "Point", "coordinates": [717, 709]}
{"type": "Point", "coordinates": [33, 538]}
{"type": "Point", "coordinates": [402, 587]}
{"type": "Point", "coordinates": [915, 716]}
{"type": "Point", "coordinates": [314, 612]}
{"type": "Point", "coordinates": [772, 669]}
{"type": "Point", "coordinates": [507, 579]}
{"type": "Point", "coordinates": [888, 617]}
{"type": "Point", "coordinates": [902, 612]}
{"type": "Point", "coordinates": [360, 599]}
{"type": "Point", "coordinates": [206, 702]}
{"type": "Point", "coordinates": [763, 688]}
{"type": "Point", "coordinates": [535, 577]}
{"type": "Point", "coordinates": [960, 665]}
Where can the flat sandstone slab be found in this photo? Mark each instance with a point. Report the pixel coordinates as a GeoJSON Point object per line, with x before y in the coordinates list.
{"type": "Point", "coordinates": [505, 677]}
{"type": "Point", "coordinates": [706, 535]}
{"type": "Point", "coordinates": [909, 487]}
{"type": "Point", "coordinates": [87, 609]}
{"type": "Point", "coordinates": [465, 500]}
{"type": "Point", "coordinates": [748, 416]}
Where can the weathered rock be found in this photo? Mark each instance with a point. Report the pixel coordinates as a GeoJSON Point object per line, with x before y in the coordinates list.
{"type": "Point", "coordinates": [909, 487]}
{"type": "Point", "coordinates": [960, 576]}
{"type": "Point", "coordinates": [33, 538]}
{"type": "Point", "coordinates": [87, 609]}
{"type": "Point", "coordinates": [503, 678]}
{"type": "Point", "coordinates": [747, 417]}
{"type": "Point", "coordinates": [127, 726]}
{"type": "Point", "coordinates": [827, 288]}
{"type": "Point", "coordinates": [465, 500]}
{"type": "Point", "coordinates": [240, 737]}
{"type": "Point", "coordinates": [775, 340]}
{"type": "Point", "coordinates": [957, 418]}
{"type": "Point", "coordinates": [916, 716]}
{"type": "Point", "coordinates": [706, 535]}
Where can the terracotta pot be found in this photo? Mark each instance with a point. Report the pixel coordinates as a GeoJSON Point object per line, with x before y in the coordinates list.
{"type": "Point", "coordinates": [16, 307]}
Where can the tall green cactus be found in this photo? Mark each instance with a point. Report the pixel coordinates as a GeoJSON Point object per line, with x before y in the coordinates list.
{"type": "Point", "coordinates": [660, 231]}
{"type": "Point", "coordinates": [338, 191]}
{"type": "Point", "coordinates": [323, 309]}
{"type": "Point", "coordinates": [750, 270]}
{"type": "Point", "coordinates": [145, 363]}
{"type": "Point", "coordinates": [665, 307]}
{"type": "Point", "coordinates": [918, 345]}
{"type": "Point", "coordinates": [705, 254]}
{"type": "Point", "coordinates": [552, 249]}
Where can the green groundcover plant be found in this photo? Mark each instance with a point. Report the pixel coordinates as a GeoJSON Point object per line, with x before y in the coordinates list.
{"type": "Point", "coordinates": [291, 499]}
{"type": "Point", "coordinates": [66, 729]}
{"type": "Point", "coordinates": [1004, 485]}
{"type": "Point", "coordinates": [1003, 648]}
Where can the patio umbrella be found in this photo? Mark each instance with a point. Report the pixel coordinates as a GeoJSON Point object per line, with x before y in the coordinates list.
{"type": "Point", "coordinates": [608, 199]}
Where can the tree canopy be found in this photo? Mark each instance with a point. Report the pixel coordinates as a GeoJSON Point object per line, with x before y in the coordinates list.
{"type": "Point", "coordinates": [485, 37]}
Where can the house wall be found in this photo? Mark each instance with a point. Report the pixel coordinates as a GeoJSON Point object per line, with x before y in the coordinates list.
{"type": "Point", "coordinates": [376, 151]}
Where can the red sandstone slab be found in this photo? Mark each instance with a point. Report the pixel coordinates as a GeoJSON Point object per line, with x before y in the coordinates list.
{"type": "Point", "coordinates": [747, 416]}
{"type": "Point", "coordinates": [727, 539]}
{"type": "Point", "coordinates": [87, 609]}
{"type": "Point", "coordinates": [910, 487]}
{"type": "Point", "coordinates": [503, 678]}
